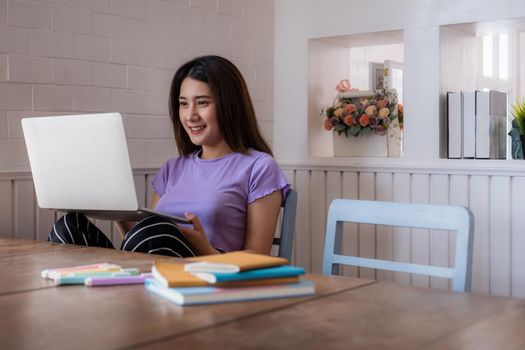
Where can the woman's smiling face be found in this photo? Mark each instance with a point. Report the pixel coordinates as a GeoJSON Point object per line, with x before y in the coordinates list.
{"type": "Point", "coordinates": [197, 113]}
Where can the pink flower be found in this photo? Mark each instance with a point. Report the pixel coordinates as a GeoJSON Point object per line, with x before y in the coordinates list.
{"type": "Point", "coordinates": [350, 108]}
{"type": "Point", "coordinates": [349, 120]}
{"type": "Point", "coordinates": [371, 110]}
{"type": "Point", "coordinates": [343, 86]}
{"type": "Point", "coordinates": [364, 120]}
{"type": "Point", "coordinates": [384, 112]}
{"type": "Point", "coordinates": [327, 125]}
{"type": "Point", "coordinates": [382, 103]}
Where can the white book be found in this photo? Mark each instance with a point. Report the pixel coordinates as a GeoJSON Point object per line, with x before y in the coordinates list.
{"type": "Point", "coordinates": [454, 134]}
{"type": "Point", "coordinates": [498, 131]}
{"type": "Point", "coordinates": [468, 117]}
{"type": "Point", "coordinates": [210, 295]}
{"type": "Point", "coordinates": [483, 124]}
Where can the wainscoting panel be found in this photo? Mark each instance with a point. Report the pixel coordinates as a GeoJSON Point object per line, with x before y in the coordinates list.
{"type": "Point", "coordinates": [495, 198]}
{"type": "Point", "coordinates": [496, 201]}
{"type": "Point", "coordinates": [6, 208]}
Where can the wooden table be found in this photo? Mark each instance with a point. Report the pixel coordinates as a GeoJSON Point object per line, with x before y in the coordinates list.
{"type": "Point", "coordinates": [345, 313]}
{"type": "Point", "coordinates": [37, 315]}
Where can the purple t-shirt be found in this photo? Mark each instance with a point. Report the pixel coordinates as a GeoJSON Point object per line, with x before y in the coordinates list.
{"type": "Point", "coordinates": [218, 191]}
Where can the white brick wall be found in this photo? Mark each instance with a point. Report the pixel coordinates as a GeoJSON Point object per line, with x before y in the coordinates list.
{"type": "Point", "coordinates": [77, 56]}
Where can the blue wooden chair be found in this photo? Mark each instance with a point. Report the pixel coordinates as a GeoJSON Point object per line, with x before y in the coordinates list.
{"type": "Point", "coordinates": [425, 216]}
{"type": "Point", "coordinates": [285, 241]}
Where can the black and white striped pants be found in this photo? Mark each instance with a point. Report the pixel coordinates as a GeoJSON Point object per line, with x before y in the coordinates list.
{"type": "Point", "coordinates": [154, 235]}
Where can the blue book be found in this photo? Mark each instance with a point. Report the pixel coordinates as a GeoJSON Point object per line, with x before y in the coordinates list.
{"type": "Point", "coordinates": [270, 272]}
{"type": "Point", "coordinates": [211, 295]}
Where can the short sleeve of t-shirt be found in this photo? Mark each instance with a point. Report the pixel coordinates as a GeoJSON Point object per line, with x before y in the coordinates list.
{"type": "Point", "coordinates": [160, 180]}
{"type": "Point", "coordinates": [265, 178]}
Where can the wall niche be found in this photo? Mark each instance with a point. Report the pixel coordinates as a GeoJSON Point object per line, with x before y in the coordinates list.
{"type": "Point", "coordinates": [360, 58]}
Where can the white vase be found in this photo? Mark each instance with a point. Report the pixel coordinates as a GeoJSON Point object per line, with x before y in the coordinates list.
{"type": "Point", "coordinates": [370, 145]}
{"type": "Point", "coordinates": [395, 139]}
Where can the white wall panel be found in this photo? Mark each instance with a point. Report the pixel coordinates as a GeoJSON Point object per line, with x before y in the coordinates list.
{"type": "Point", "coordinates": [350, 239]}
{"type": "Point", "coordinates": [495, 201]}
{"type": "Point", "coordinates": [367, 233]}
{"type": "Point", "coordinates": [439, 239]}
{"type": "Point", "coordinates": [24, 215]}
{"type": "Point", "coordinates": [500, 236]}
{"type": "Point", "coordinates": [302, 242]}
{"type": "Point", "coordinates": [318, 210]}
{"type": "Point", "coordinates": [333, 191]}
{"type": "Point", "coordinates": [517, 237]}
{"type": "Point", "coordinates": [459, 195]}
{"type": "Point", "coordinates": [401, 235]}
{"type": "Point", "coordinates": [384, 248]}
{"type": "Point", "coordinates": [479, 205]}
{"type": "Point", "coordinates": [6, 208]}
{"type": "Point", "coordinates": [420, 239]}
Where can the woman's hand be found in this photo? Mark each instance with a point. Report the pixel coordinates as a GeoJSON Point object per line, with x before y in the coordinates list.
{"type": "Point", "coordinates": [197, 237]}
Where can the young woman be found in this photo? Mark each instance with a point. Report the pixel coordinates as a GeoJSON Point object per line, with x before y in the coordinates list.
{"type": "Point", "coordinates": [225, 180]}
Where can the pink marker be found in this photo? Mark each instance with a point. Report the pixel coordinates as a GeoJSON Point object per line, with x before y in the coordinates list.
{"type": "Point", "coordinates": [116, 281]}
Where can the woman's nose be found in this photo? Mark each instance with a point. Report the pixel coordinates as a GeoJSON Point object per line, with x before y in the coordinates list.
{"type": "Point", "coordinates": [192, 113]}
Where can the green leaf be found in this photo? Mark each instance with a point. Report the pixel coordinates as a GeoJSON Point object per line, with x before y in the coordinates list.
{"type": "Point", "coordinates": [354, 130]}
{"type": "Point", "coordinates": [340, 127]}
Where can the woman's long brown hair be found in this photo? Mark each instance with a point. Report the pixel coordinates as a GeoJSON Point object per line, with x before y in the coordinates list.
{"type": "Point", "coordinates": [234, 108]}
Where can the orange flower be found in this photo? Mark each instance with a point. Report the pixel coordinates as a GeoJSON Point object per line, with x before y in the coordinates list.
{"type": "Point", "coordinates": [327, 125]}
{"type": "Point", "coordinates": [349, 120]}
{"type": "Point", "coordinates": [364, 120]}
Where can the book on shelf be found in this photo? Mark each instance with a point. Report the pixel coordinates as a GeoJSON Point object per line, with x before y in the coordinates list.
{"type": "Point", "coordinates": [468, 118]}
{"type": "Point", "coordinates": [232, 262]}
{"type": "Point", "coordinates": [491, 124]}
{"type": "Point", "coordinates": [257, 274]}
{"type": "Point", "coordinates": [212, 294]}
{"type": "Point", "coordinates": [454, 125]}
{"type": "Point", "coordinates": [483, 124]}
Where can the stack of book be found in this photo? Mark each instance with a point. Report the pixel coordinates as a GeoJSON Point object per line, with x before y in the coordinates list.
{"type": "Point", "coordinates": [236, 276]}
{"type": "Point", "coordinates": [477, 124]}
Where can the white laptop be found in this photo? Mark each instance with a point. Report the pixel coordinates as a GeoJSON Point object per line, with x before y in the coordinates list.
{"type": "Point", "coordinates": [80, 163]}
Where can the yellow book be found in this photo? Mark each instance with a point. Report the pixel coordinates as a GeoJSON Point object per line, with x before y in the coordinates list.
{"type": "Point", "coordinates": [232, 262]}
{"type": "Point", "coordinates": [173, 275]}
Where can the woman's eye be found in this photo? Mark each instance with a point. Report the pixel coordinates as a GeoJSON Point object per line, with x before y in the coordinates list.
{"type": "Point", "coordinates": [202, 103]}
{"type": "Point", "coordinates": [183, 103]}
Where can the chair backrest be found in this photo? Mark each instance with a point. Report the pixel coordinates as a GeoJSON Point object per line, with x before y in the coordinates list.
{"type": "Point", "coordinates": [425, 216]}
{"type": "Point", "coordinates": [285, 241]}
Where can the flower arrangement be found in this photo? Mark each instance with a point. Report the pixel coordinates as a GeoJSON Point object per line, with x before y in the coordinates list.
{"type": "Point", "coordinates": [356, 115]}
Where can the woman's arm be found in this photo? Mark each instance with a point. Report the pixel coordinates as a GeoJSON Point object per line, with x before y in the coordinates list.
{"type": "Point", "coordinates": [124, 226]}
{"type": "Point", "coordinates": [261, 223]}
